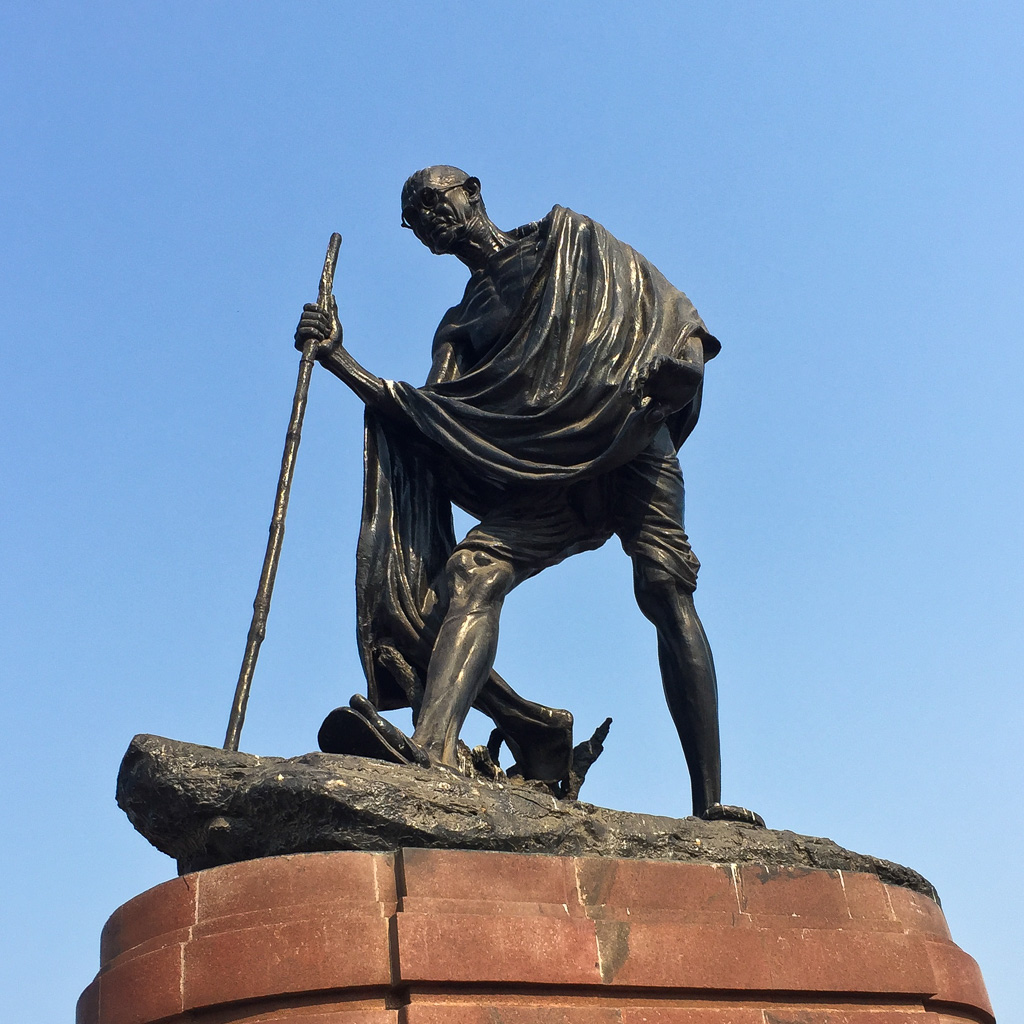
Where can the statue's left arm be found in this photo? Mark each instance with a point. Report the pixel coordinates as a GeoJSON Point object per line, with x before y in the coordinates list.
{"type": "Point", "coordinates": [670, 383]}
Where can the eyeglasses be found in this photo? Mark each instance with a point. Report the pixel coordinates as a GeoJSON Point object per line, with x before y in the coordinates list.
{"type": "Point", "coordinates": [428, 197]}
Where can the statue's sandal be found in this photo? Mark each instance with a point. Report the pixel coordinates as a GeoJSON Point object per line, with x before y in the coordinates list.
{"type": "Point", "coordinates": [727, 812]}
{"type": "Point", "coordinates": [360, 731]}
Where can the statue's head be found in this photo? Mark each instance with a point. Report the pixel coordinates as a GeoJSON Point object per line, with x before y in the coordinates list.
{"type": "Point", "coordinates": [439, 204]}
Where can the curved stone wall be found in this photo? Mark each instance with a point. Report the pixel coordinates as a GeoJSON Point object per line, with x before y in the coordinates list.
{"type": "Point", "coordinates": [456, 937]}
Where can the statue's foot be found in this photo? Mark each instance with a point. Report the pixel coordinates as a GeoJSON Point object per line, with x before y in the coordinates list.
{"type": "Point", "coordinates": [727, 812]}
{"type": "Point", "coordinates": [583, 757]}
{"type": "Point", "coordinates": [359, 730]}
{"type": "Point", "coordinates": [542, 749]}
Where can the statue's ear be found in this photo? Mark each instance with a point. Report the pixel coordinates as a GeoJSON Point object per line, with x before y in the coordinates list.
{"type": "Point", "coordinates": [472, 187]}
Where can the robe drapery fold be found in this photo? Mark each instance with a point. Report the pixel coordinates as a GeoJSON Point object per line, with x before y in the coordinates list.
{"type": "Point", "coordinates": [550, 402]}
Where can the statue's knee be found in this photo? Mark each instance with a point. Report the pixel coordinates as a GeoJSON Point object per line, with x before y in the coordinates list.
{"type": "Point", "coordinates": [475, 577]}
{"type": "Point", "coordinates": [654, 588]}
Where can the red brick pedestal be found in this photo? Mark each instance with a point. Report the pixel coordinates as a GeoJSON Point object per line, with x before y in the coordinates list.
{"type": "Point", "coordinates": [453, 937]}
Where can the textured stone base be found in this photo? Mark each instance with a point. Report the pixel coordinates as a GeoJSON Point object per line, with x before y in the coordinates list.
{"type": "Point", "coordinates": [206, 807]}
{"type": "Point", "coordinates": [464, 937]}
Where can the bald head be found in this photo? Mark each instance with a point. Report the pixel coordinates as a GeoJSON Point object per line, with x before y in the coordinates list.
{"type": "Point", "coordinates": [439, 176]}
{"type": "Point", "coordinates": [442, 206]}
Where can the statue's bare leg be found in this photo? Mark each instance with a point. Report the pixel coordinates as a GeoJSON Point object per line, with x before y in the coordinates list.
{"type": "Point", "coordinates": [688, 677]}
{"type": "Point", "coordinates": [538, 737]}
{"type": "Point", "coordinates": [464, 651]}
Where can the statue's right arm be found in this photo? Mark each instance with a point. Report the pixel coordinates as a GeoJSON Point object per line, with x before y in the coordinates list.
{"type": "Point", "coordinates": [340, 362]}
{"type": "Point", "coordinates": [323, 325]}
{"type": "Point", "coordinates": [444, 365]}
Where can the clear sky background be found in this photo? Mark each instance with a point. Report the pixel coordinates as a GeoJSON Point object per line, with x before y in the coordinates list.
{"type": "Point", "coordinates": [838, 189]}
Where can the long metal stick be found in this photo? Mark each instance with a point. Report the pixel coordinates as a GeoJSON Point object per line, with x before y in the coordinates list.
{"type": "Point", "coordinates": [261, 604]}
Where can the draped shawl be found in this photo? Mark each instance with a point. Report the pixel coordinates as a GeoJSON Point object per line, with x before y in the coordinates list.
{"type": "Point", "coordinates": [549, 402]}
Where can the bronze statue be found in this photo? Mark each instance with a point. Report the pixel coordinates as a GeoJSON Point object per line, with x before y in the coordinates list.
{"type": "Point", "coordinates": [562, 387]}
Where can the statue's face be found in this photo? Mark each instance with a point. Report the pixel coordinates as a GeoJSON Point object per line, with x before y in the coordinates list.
{"type": "Point", "coordinates": [439, 210]}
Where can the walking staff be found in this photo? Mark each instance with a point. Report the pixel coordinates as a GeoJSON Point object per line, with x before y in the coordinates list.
{"type": "Point", "coordinates": [261, 604]}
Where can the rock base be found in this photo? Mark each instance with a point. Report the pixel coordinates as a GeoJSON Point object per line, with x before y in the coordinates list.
{"type": "Point", "coordinates": [206, 807]}
{"type": "Point", "coordinates": [459, 937]}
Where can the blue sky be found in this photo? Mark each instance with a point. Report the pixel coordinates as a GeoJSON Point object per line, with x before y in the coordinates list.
{"type": "Point", "coordinates": [836, 187]}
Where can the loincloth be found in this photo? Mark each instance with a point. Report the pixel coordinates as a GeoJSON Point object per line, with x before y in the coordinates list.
{"type": "Point", "coordinates": [641, 502]}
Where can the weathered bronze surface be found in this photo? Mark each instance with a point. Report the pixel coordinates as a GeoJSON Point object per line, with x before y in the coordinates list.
{"type": "Point", "coordinates": [562, 387]}
{"type": "Point", "coordinates": [205, 806]}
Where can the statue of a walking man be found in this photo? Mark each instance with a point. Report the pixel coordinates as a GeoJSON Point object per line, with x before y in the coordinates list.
{"type": "Point", "coordinates": [562, 387]}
